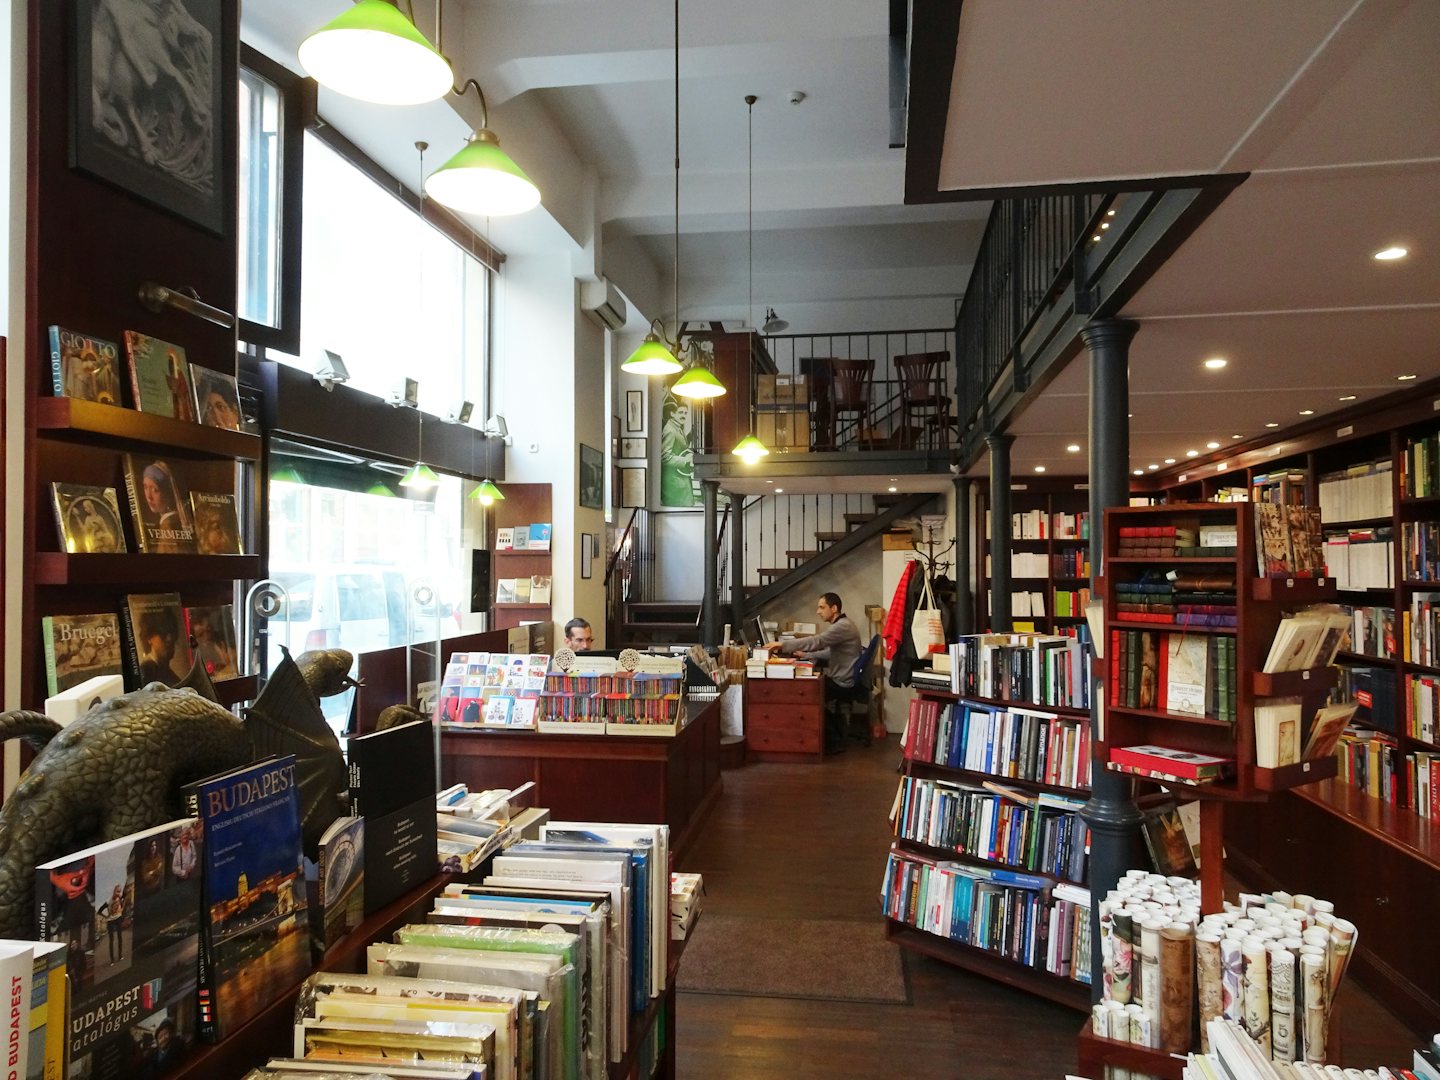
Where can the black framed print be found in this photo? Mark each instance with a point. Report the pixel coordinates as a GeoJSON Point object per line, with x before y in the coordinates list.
{"type": "Point", "coordinates": [592, 477]}
{"type": "Point", "coordinates": [632, 488]}
{"type": "Point", "coordinates": [148, 108]}
{"type": "Point", "coordinates": [632, 448]}
{"type": "Point", "coordinates": [634, 410]}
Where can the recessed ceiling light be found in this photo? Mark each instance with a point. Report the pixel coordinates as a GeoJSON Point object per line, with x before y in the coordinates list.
{"type": "Point", "coordinates": [1152, 466]}
{"type": "Point", "coordinates": [1272, 423]}
{"type": "Point", "coordinates": [1307, 412]}
{"type": "Point", "coordinates": [1390, 254]}
{"type": "Point", "coordinates": [891, 489]}
{"type": "Point", "coordinates": [1139, 472]}
{"type": "Point", "coordinates": [1130, 414]}
{"type": "Point", "coordinates": [769, 481]}
{"type": "Point", "coordinates": [1095, 239]}
{"type": "Point", "coordinates": [1104, 224]}
{"type": "Point", "coordinates": [1169, 461]}
{"type": "Point", "coordinates": [1220, 467]}
{"type": "Point", "coordinates": [1405, 378]}
{"type": "Point", "coordinates": [1348, 397]}
{"type": "Point", "coordinates": [1109, 213]}
{"type": "Point", "coordinates": [1073, 448]}
{"type": "Point", "coordinates": [1039, 468]}
{"type": "Point", "coordinates": [1192, 453]}
{"type": "Point", "coordinates": [779, 491]}
{"type": "Point", "coordinates": [1237, 436]}
{"type": "Point", "coordinates": [892, 479]}
{"type": "Point", "coordinates": [1215, 363]}
{"type": "Point", "coordinates": [1212, 445]}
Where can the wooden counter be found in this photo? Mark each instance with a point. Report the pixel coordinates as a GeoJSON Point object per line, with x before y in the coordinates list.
{"type": "Point", "coordinates": [785, 719]}
{"type": "Point", "coordinates": [635, 778]}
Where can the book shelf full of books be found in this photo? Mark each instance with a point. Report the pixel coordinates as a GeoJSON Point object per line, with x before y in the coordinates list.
{"type": "Point", "coordinates": [1049, 555]}
{"type": "Point", "coordinates": [521, 545]}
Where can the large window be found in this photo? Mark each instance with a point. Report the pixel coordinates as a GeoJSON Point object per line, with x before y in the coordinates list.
{"type": "Point", "coordinates": [393, 296]}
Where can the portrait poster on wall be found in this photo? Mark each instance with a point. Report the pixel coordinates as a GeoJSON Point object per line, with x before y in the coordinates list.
{"type": "Point", "coordinates": [678, 486]}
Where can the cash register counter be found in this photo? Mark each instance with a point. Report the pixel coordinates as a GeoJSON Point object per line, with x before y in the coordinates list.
{"type": "Point", "coordinates": [672, 780]}
{"type": "Point", "coordinates": [785, 719]}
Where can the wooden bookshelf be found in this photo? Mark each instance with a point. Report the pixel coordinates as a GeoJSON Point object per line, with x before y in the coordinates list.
{"type": "Point", "coordinates": [1056, 988]}
{"type": "Point", "coordinates": [129, 570]}
{"type": "Point", "coordinates": [523, 505]}
{"type": "Point", "coordinates": [127, 429]}
{"type": "Point", "coordinates": [1049, 496]}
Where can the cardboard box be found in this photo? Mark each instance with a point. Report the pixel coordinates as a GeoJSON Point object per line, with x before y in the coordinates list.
{"type": "Point", "coordinates": [788, 429]}
{"type": "Point", "coordinates": [897, 541]}
{"type": "Point", "coordinates": [782, 390]}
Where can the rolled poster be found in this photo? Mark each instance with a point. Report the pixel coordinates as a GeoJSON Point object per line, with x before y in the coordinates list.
{"type": "Point", "coordinates": [1177, 987]}
{"type": "Point", "coordinates": [1257, 994]}
{"type": "Point", "coordinates": [1208, 983]}
{"type": "Point", "coordinates": [1282, 1004]}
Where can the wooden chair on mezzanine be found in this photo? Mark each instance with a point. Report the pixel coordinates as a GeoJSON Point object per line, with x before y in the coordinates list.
{"type": "Point", "coordinates": [923, 407]}
{"type": "Point", "coordinates": [849, 385]}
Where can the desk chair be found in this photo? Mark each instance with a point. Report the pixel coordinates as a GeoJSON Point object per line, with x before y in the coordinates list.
{"type": "Point", "coordinates": [859, 692]}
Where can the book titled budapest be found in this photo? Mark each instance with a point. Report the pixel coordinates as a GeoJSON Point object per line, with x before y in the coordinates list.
{"type": "Point", "coordinates": [217, 527]}
{"type": "Point", "coordinates": [129, 913]}
{"type": "Point", "coordinates": [392, 786]}
{"type": "Point", "coordinates": [159, 506]}
{"type": "Point", "coordinates": [160, 376]}
{"type": "Point", "coordinates": [88, 519]}
{"type": "Point", "coordinates": [256, 936]}
{"type": "Point", "coordinates": [84, 367]}
{"type": "Point", "coordinates": [78, 648]}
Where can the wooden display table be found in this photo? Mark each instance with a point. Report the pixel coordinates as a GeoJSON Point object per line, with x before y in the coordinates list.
{"type": "Point", "coordinates": [785, 719]}
{"type": "Point", "coordinates": [669, 780]}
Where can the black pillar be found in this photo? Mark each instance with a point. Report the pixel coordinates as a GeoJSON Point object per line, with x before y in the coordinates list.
{"type": "Point", "coordinates": [737, 562]}
{"type": "Point", "coordinates": [999, 531]}
{"type": "Point", "coordinates": [710, 604]}
{"type": "Point", "coordinates": [964, 602]}
{"type": "Point", "coordinates": [1113, 819]}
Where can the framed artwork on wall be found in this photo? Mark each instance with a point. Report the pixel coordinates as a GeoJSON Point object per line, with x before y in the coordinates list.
{"type": "Point", "coordinates": [149, 102]}
{"type": "Point", "coordinates": [614, 436]}
{"type": "Point", "coordinates": [632, 488]}
{"type": "Point", "coordinates": [632, 449]}
{"type": "Point", "coordinates": [592, 477]}
{"type": "Point", "coordinates": [587, 555]}
{"type": "Point", "coordinates": [634, 410]}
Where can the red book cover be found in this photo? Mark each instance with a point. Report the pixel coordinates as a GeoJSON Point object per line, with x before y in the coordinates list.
{"type": "Point", "coordinates": [1165, 759]}
{"type": "Point", "coordinates": [1143, 616]}
{"type": "Point", "coordinates": [1435, 789]}
{"type": "Point", "coordinates": [1115, 668]}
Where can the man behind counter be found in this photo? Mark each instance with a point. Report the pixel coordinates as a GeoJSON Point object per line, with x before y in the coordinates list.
{"type": "Point", "coordinates": [839, 646]}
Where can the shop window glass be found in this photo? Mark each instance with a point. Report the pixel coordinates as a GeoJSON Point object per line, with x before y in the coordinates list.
{"type": "Point", "coordinates": [261, 167]}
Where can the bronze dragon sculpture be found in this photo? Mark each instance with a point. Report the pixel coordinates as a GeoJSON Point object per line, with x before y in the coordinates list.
{"type": "Point", "coordinates": [120, 767]}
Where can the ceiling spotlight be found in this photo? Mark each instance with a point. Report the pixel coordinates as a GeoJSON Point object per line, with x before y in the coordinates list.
{"type": "Point", "coordinates": [1272, 423]}
{"type": "Point", "coordinates": [1109, 213]}
{"type": "Point", "coordinates": [1073, 448]}
{"type": "Point", "coordinates": [1237, 436]}
{"type": "Point", "coordinates": [892, 488]}
{"type": "Point", "coordinates": [1192, 453]}
{"type": "Point", "coordinates": [1104, 224]}
{"type": "Point", "coordinates": [1152, 466]}
{"type": "Point", "coordinates": [1139, 472]}
{"type": "Point", "coordinates": [1405, 378]}
{"type": "Point", "coordinates": [1039, 468]}
{"type": "Point", "coordinates": [1307, 412]}
{"type": "Point", "coordinates": [1347, 397]}
{"type": "Point", "coordinates": [779, 491]}
{"type": "Point", "coordinates": [1095, 239]}
{"type": "Point", "coordinates": [1169, 461]}
{"type": "Point", "coordinates": [1215, 363]}
{"type": "Point", "coordinates": [1212, 445]}
{"type": "Point", "coordinates": [1390, 254]}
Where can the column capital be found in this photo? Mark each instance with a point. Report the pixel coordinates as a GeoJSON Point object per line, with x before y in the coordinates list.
{"type": "Point", "coordinates": [999, 440]}
{"type": "Point", "coordinates": [1103, 332]}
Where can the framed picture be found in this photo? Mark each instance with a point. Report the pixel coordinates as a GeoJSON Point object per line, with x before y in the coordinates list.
{"type": "Point", "coordinates": [587, 555]}
{"type": "Point", "coordinates": [592, 477]}
{"type": "Point", "coordinates": [632, 448]}
{"type": "Point", "coordinates": [632, 488]}
{"type": "Point", "coordinates": [149, 104]}
{"type": "Point", "coordinates": [614, 436]}
{"type": "Point", "coordinates": [634, 410]}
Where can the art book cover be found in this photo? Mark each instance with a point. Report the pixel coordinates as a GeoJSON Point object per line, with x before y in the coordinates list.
{"type": "Point", "coordinates": [540, 589]}
{"type": "Point", "coordinates": [129, 913]}
{"type": "Point", "coordinates": [540, 536]}
{"type": "Point", "coordinates": [504, 539]}
{"type": "Point", "coordinates": [159, 506]}
{"type": "Point", "coordinates": [217, 398]}
{"type": "Point", "coordinates": [1186, 681]}
{"type": "Point", "coordinates": [159, 648]}
{"type": "Point", "coordinates": [392, 785]}
{"type": "Point", "coordinates": [78, 648]}
{"type": "Point", "coordinates": [341, 878]}
{"type": "Point", "coordinates": [159, 376]}
{"type": "Point", "coordinates": [212, 635]}
{"type": "Point", "coordinates": [88, 518]}
{"type": "Point", "coordinates": [256, 939]}
{"type": "Point", "coordinates": [84, 367]}
{"type": "Point", "coordinates": [505, 591]}
{"type": "Point", "coordinates": [217, 527]}
{"type": "Point", "coordinates": [1165, 837]}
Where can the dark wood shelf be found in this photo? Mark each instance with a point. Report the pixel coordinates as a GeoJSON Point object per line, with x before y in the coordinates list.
{"type": "Point", "coordinates": [123, 428]}
{"type": "Point", "coordinates": [1042, 983]}
{"type": "Point", "coordinates": [1292, 683]}
{"type": "Point", "coordinates": [966, 857]}
{"type": "Point", "coordinates": [1292, 776]}
{"type": "Point", "coordinates": [1072, 539]}
{"type": "Point", "coordinates": [1166, 560]}
{"type": "Point", "coordinates": [1095, 1053]}
{"type": "Point", "coordinates": [1410, 665]}
{"type": "Point", "coordinates": [1360, 523]}
{"type": "Point", "coordinates": [1169, 717]}
{"type": "Point", "coordinates": [241, 688]}
{"type": "Point", "coordinates": [1027, 706]}
{"type": "Point", "coordinates": [1292, 590]}
{"type": "Point", "coordinates": [916, 767]}
{"type": "Point", "coordinates": [1115, 624]}
{"type": "Point", "coordinates": [129, 569]}
{"type": "Point", "coordinates": [523, 553]}
{"type": "Point", "coordinates": [1386, 823]}
{"type": "Point", "coordinates": [1366, 658]}
{"type": "Point", "coordinates": [1419, 583]}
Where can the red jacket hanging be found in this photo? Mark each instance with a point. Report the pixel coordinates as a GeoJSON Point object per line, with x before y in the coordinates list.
{"type": "Point", "coordinates": [895, 616]}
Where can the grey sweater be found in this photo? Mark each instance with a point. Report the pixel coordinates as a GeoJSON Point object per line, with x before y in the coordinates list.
{"type": "Point", "coordinates": [838, 645]}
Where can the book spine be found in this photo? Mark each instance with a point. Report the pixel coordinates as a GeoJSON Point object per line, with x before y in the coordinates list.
{"type": "Point", "coordinates": [57, 373]}
{"type": "Point", "coordinates": [133, 496]}
{"type": "Point", "coordinates": [52, 675]}
{"type": "Point", "coordinates": [132, 646]}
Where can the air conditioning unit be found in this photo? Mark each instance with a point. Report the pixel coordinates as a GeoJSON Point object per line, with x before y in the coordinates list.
{"type": "Point", "coordinates": [603, 303]}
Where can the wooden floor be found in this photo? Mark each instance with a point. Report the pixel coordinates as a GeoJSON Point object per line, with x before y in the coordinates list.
{"type": "Point", "coordinates": [810, 841]}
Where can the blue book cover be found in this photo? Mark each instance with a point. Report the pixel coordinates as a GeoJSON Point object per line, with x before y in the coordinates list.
{"type": "Point", "coordinates": [256, 942]}
{"type": "Point", "coordinates": [540, 536]}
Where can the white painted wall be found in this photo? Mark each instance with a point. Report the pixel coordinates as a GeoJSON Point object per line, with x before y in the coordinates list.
{"type": "Point", "coordinates": [592, 427]}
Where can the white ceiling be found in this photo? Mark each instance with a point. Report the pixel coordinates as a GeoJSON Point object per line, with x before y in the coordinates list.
{"type": "Point", "coordinates": [1334, 110]}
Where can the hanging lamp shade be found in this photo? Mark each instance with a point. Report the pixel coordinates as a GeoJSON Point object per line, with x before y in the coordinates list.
{"type": "Point", "coordinates": [773, 323]}
{"type": "Point", "coordinates": [374, 53]}
{"type": "Point", "coordinates": [483, 179]}
{"type": "Point", "coordinates": [652, 358]}
{"type": "Point", "coordinates": [750, 450]}
{"type": "Point", "coordinates": [421, 477]}
{"type": "Point", "coordinates": [381, 489]}
{"type": "Point", "coordinates": [698, 382]}
{"type": "Point", "coordinates": [486, 493]}
{"type": "Point", "coordinates": [287, 474]}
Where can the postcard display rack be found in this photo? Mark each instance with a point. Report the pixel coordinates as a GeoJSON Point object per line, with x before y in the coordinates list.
{"type": "Point", "coordinates": [524, 505]}
{"type": "Point", "coordinates": [1054, 537]}
{"type": "Point", "coordinates": [1260, 604]}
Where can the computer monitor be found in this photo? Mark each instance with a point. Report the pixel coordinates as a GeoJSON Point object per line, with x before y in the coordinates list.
{"type": "Point", "coordinates": [764, 636]}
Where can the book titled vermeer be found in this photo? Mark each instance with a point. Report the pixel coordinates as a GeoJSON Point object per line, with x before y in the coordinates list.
{"type": "Point", "coordinates": [160, 376]}
{"type": "Point", "coordinates": [84, 367]}
{"type": "Point", "coordinates": [256, 939]}
{"type": "Point", "coordinates": [159, 506]}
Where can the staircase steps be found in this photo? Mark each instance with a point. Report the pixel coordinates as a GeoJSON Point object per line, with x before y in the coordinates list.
{"type": "Point", "coordinates": [852, 520]}
{"type": "Point", "coordinates": [885, 500]}
{"type": "Point", "coordinates": [659, 622]}
{"type": "Point", "coordinates": [797, 557]}
{"type": "Point", "coordinates": [830, 537]}
{"type": "Point", "coordinates": [773, 571]}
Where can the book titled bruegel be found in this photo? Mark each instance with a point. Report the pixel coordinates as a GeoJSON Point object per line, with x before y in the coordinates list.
{"type": "Point", "coordinates": [79, 647]}
{"type": "Point", "coordinates": [256, 937]}
{"type": "Point", "coordinates": [392, 786]}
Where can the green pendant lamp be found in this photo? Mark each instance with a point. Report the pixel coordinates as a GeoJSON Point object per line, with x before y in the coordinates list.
{"type": "Point", "coordinates": [653, 357]}
{"type": "Point", "coordinates": [374, 53]}
{"type": "Point", "coordinates": [287, 474]}
{"type": "Point", "coordinates": [487, 494]}
{"type": "Point", "coordinates": [380, 489]}
{"type": "Point", "coordinates": [750, 450]}
{"type": "Point", "coordinates": [698, 383]}
{"type": "Point", "coordinates": [483, 179]}
{"type": "Point", "coordinates": [420, 477]}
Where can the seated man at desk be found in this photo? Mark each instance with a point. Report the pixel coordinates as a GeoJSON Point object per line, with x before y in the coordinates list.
{"type": "Point", "coordinates": [838, 645]}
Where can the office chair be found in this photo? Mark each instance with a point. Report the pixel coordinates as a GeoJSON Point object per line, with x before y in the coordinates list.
{"type": "Point", "coordinates": [859, 691]}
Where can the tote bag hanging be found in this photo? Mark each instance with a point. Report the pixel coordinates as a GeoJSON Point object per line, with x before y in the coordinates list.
{"type": "Point", "coordinates": [925, 626]}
